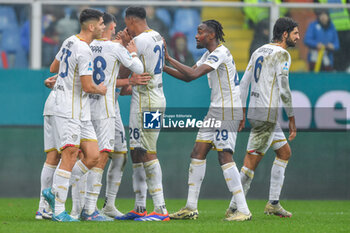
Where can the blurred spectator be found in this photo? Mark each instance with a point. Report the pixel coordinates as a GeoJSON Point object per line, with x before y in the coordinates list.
{"type": "Point", "coordinates": [186, 21]}
{"type": "Point", "coordinates": [118, 14]}
{"type": "Point", "coordinates": [261, 36]}
{"type": "Point", "coordinates": [50, 44]}
{"type": "Point", "coordinates": [321, 34]}
{"type": "Point", "coordinates": [155, 23]}
{"type": "Point", "coordinates": [341, 20]}
{"type": "Point", "coordinates": [178, 49]}
{"type": "Point", "coordinates": [253, 15]}
{"type": "Point", "coordinates": [67, 26]}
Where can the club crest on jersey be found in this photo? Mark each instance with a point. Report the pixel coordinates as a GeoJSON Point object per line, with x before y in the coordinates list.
{"type": "Point", "coordinates": [151, 120]}
{"type": "Point", "coordinates": [213, 58]}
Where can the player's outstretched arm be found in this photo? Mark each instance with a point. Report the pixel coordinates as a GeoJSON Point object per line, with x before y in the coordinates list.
{"type": "Point", "coordinates": [188, 73]}
{"type": "Point", "coordinates": [89, 86]}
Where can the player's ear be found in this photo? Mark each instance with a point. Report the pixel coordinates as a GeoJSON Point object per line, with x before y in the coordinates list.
{"type": "Point", "coordinates": [285, 35]}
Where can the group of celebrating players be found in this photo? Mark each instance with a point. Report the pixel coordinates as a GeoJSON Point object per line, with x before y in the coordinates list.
{"type": "Point", "coordinates": [82, 117]}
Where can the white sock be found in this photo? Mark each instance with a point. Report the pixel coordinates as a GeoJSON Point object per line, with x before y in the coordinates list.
{"type": "Point", "coordinates": [277, 178]}
{"type": "Point", "coordinates": [60, 187]}
{"type": "Point", "coordinates": [247, 176]}
{"type": "Point", "coordinates": [154, 183]}
{"type": "Point", "coordinates": [233, 181]}
{"type": "Point", "coordinates": [195, 177]}
{"type": "Point", "coordinates": [139, 185]}
{"type": "Point", "coordinates": [93, 188]}
{"type": "Point", "coordinates": [114, 177]}
{"type": "Point", "coordinates": [78, 194]}
{"type": "Point", "coordinates": [46, 182]}
{"type": "Point", "coordinates": [78, 171]}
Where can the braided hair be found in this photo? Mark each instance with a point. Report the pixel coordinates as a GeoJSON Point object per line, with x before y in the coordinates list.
{"type": "Point", "coordinates": [217, 28]}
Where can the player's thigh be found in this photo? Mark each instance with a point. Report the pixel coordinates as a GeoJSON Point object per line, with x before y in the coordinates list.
{"type": "Point", "coordinates": [225, 136]}
{"type": "Point", "coordinates": [88, 142]}
{"type": "Point", "coordinates": [49, 136]}
{"type": "Point", "coordinates": [104, 129]}
{"type": "Point", "coordinates": [120, 145]}
{"type": "Point", "coordinates": [67, 132]}
{"type": "Point", "coordinates": [260, 137]}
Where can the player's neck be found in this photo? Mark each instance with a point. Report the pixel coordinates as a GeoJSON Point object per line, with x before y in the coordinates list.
{"type": "Point", "coordinates": [212, 46]}
{"type": "Point", "coordinates": [141, 28]}
{"type": "Point", "coordinates": [282, 44]}
{"type": "Point", "coordinates": [85, 36]}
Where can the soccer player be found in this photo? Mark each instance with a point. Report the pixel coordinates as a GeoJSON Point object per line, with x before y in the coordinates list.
{"type": "Point", "coordinates": [107, 58]}
{"type": "Point", "coordinates": [225, 106]}
{"type": "Point", "coordinates": [71, 113]}
{"type": "Point", "coordinates": [52, 156]}
{"type": "Point", "coordinates": [143, 143]}
{"type": "Point", "coordinates": [267, 74]}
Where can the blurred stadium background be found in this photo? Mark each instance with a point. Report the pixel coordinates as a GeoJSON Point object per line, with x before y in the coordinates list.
{"type": "Point", "coordinates": [32, 31]}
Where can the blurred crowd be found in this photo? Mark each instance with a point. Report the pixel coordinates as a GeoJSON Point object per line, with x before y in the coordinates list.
{"type": "Point", "coordinates": [326, 32]}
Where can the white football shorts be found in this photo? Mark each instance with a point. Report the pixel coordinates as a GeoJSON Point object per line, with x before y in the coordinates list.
{"type": "Point", "coordinates": [264, 135]}
{"type": "Point", "coordinates": [120, 145]}
{"type": "Point", "coordinates": [49, 136]}
{"type": "Point", "coordinates": [223, 138]}
{"type": "Point", "coordinates": [104, 129]}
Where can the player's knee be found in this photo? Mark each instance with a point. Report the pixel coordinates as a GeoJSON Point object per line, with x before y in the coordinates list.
{"type": "Point", "coordinates": [225, 157]}
{"type": "Point", "coordinates": [284, 153]}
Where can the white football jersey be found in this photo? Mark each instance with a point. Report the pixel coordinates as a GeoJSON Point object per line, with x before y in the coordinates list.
{"type": "Point", "coordinates": [225, 98]}
{"type": "Point", "coordinates": [107, 57]}
{"type": "Point", "coordinates": [50, 104]}
{"type": "Point", "coordinates": [267, 65]}
{"type": "Point", "coordinates": [75, 59]}
{"type": "Point", "coordinates": [150, 50]}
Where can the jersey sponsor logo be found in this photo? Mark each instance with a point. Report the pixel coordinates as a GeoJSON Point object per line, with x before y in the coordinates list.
{"type": "Point", "coordinates": [94, 97]}
{"type": "Point", "coordinates": [96, 49]}
{"type": "Point", "coordinates": [69, 44]}
{"type": "Point", "coordinates": [213, 58]}
{"type": "Point", "coordinates": [59, 87]}
{"type": "Point", "coordinates": [255, 94]}
{"type": "Point", "coordinates": [151, 120]}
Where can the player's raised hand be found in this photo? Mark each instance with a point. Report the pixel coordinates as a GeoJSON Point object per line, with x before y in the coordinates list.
{"type": "Point", "coordinates": [139, 79]}
{"type": "Point", "coordinates": [102, 88]}
{"type": "Point", "coordinates": [131, 47]}
{"type": "Point", "coordinates": [50, 82]}
{"type": "Point", "coordinates": [118, 39]}
{"type": "Point", "coordinates": [125, 36]}
{"type": "Point", "coordinates": [292, 128]}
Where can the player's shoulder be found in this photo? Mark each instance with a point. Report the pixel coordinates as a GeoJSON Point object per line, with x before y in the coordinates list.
{"type": "Point", "coordinates": [150, 36]}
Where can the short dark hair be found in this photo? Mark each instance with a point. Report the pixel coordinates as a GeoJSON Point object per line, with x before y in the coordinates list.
{"type": "Point", "coordinates": [282, 25]}
{"type": "Point", "coordinates": [89, 14]}
{"type": "Point", "coordinates": [108, 18]}
{"type": "Point", "coordinates": [136, 11]}
{"type": "Point", "coordinates": [217, 28]}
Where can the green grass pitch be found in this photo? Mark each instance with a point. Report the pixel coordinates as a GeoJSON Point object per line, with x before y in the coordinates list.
{"type": "Point", "coordinates": [17, 215]}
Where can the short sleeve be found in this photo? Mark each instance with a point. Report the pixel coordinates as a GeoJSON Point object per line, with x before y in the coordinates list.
{"type": "Point", "coordinates": [214, 59]}
{"type": "Point", "coordinates": [202, 59]}
{"type": "Point", "coordinates": [122, 54]}
{"type": "Point", "coordinates": [85, 61]}
{"type": "Point", "coordinates": [283, 63]}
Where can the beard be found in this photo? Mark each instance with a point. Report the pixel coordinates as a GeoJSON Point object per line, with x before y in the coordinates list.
{"type": "Point", "coordinates": [290, 43]}
{"type": "Point", "coordinates": [199, 46]}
